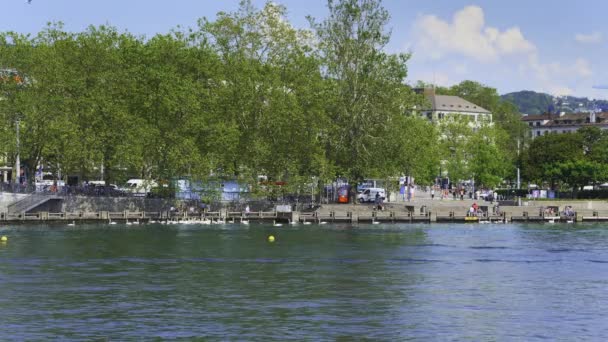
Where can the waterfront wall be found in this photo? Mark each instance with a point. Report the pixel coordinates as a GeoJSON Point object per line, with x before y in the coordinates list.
{"type": "Point", "coordinates": [115, 204]}
{"type": "Point", "coordinates": [8, 198]}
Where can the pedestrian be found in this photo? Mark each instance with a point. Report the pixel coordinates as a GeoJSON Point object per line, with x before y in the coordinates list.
{"type": "Point", "coordinates": [432, 193]}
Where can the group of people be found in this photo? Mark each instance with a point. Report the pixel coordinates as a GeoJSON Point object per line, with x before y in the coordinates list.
{"type": "Point", "coordinates": [408, 191]}
{"type": "Point", "coordinates": [475, 210]}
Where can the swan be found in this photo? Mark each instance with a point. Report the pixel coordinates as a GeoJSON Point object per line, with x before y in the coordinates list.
{"type": "Point", "coordinates": [274, 223]}
{"type": "Point", "coordinates": [72, 224]}
{"type": "Point", "coordinates": [293, 222]}
{"type": "Point", "coordinates": [244, 221]}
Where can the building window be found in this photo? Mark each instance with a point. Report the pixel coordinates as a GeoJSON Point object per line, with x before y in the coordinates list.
{"type": "Point", "coordinates": [538, 133]}
{"type": "Point", "coordinates": [530, 124]}
{"type": "Point", "coordinates": [537, 123]}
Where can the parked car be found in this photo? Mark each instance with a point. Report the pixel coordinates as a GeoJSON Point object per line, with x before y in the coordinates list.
{"type": "Point", "coordinates": [369, 195]}
{"type": "Point", "coordinates": [139, 187]}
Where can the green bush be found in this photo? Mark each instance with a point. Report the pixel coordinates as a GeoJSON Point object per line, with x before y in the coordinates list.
{"type": "Point", "coordinates": [512, 192]}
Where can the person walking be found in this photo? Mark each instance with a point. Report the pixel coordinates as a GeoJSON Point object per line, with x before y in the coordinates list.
{"type": "Point", "coordinates": [432, 193]}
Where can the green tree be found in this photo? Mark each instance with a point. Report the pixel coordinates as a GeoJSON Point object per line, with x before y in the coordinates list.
{"type": "Point", "coordinates": [577, 173]}
{"type": "Point", "coordinates": [546, 151]}
{"type": "Point", "coordinates": [455, 135]}
{"type": "Point", "coordinates": [488, 162]}
{"type": "Point", "coordinates": [367, 92]}
{"type": "Point", "coordinates": [269, 96]}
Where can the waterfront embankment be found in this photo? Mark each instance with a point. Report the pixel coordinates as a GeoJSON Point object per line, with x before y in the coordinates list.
{"type": "Point", "coordinates": [353, 214]}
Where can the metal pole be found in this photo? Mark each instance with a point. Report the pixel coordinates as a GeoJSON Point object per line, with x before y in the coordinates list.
{"type": "Point", "coordinates": [17, 161]}
{"type": "Point", "coordinates": [518, 179]}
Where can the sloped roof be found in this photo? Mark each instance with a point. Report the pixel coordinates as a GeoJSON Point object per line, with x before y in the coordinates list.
{"type": "Point", "coordinates": [454, 104]}
{"type": "Point", "coordinates": [536, 117]}
{"type": "Point", "coordinates": [578, 119]}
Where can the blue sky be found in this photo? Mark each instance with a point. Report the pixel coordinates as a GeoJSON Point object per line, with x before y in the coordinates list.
{"type": "Point", "coordinates": [551, 46]}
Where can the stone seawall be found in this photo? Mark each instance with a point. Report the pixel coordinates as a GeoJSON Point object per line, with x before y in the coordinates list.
{"type": "Point", "coordinates": [115, 204]}
{"type": "Point", "coordinates": [8, 198]}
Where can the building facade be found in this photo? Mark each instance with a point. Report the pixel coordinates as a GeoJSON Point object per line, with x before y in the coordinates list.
{"type": "Point", "coordinates": [442, 107]}
{"type": "Point", "coordinates": [564, 123]}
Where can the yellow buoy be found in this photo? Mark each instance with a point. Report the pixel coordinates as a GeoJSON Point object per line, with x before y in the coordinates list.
{"type": "Point", "coordinates": [3, 238]}
{"type": "Point", "coordinates": [271, 238]}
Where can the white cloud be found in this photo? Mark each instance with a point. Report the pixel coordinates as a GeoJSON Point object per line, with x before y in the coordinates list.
{"type": "Point", "coordinates": [559, 90]}
{"type": "Point", "coordinates": [591, 38]}
{"type": "Point", "coordinates": [437, 78]}
{"type": "Point", "coordinates": [468, 35]}
{"type": "Point", "coordinates": [582, 68]}
{"type": "Point", "coordinates": [545, 71]}
{"type": "Point", "coordinates": [467, 38]}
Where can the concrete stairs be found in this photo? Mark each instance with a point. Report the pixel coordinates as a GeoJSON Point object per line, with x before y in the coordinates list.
{"type": "Point", "coordinates": [33, 201]}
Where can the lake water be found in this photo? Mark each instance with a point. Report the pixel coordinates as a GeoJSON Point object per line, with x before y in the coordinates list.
{"type": "Point", "coordinates": [383, 282]}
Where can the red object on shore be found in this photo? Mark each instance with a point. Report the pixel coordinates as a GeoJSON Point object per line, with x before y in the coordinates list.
{"type": "Point", "coordinates": [343, 195]}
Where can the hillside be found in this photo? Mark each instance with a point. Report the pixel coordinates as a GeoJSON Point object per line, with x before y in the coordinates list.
{"type": "Point", "coordinates": [530, 102]}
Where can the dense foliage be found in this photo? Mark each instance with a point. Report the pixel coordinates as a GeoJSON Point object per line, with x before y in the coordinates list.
{"type": "Point", "coordinates": [568, 160]}
{"type": "Point", "coordinates": [530, 102]}
{"type": "Point", "coordinates": [240, 96]}
{"type": "Point", "coordinates": [247, 94]}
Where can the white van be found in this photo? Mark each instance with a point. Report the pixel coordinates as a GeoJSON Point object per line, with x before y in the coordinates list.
{"type": "Point", "coordinates": [369, 195]}
{"type": "Point", "coordinates": [139, 187]}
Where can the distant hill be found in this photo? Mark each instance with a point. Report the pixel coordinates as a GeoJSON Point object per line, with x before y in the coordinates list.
{"type": "Point", "coordinates": [531, 102]}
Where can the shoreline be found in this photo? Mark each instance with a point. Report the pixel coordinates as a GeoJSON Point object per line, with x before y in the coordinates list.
{"type": "Point", "coordinates": [295, 217]}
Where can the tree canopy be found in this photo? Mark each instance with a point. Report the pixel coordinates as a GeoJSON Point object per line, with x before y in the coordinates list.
{"type": "Point", "coordinates": [243, 95]}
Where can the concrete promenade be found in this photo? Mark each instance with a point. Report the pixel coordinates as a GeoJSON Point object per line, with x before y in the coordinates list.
{"type": "Point", "coordinates": [421, 209]}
